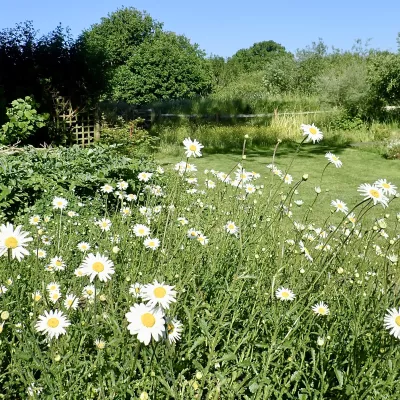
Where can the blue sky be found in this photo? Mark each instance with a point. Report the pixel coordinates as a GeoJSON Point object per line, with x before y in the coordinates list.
{"type": "Point", "coordinates": [223, 27]}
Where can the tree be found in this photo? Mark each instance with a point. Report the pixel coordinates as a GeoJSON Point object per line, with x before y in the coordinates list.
{"type": "Point", "coordinates": [165, 66]}
{"type": "Point", "coordinates": [120, 34]}
{"type": "Point", "coordinates": [257, 56]}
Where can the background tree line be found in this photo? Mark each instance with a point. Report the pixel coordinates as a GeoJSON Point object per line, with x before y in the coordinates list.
{"type": "Point", "coordinates": [129, 57]}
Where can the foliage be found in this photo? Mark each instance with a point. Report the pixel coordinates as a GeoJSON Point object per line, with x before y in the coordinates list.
{"type": "Point", "coordinates": [384, 78]}
{"type": "Point", "coordinates": [281, 75]}
{"type": "Point", "coordinates": [346, 86]}
{"type": "Point", "coordinates": [165, 66]}
{"type": "Point", "coordinates": [46, 67]}
{"type": "Point", "coordinates": [132, 138]}
{"type": "Point", "coordinates": [238, 340]}
{"type": "Point", "coordinates": [392, 149]}
{"type": "Point", "coordinates": [120, 34]}
{"type": "Point", "coordinates": [28, 175]}
{"type": "Point", "coordinates": [24, 120]}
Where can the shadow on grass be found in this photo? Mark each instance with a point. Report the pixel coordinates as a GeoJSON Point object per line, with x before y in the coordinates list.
{"type": "Point", "coordinates": [285, 148]}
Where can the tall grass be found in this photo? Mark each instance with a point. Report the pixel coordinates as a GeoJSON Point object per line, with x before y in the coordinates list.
{"type": "Point", "coordinates": [239, 338]}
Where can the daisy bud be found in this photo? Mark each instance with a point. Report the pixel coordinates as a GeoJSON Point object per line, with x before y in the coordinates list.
{"type": "Point", "coordinates": [320, 341]}
{"type": "Point", "coordinates": [243, 156]}
{"type": "Point", "coordinates": [304, 177]}
{"type": "Point", "coordinates": [246, 136]}
{"type": "Point", "coordinates": [317, 190]}
{"type": "Point", "coordinates": [199, 375]}
{"type": "Point", "coordinates": [57, 358]}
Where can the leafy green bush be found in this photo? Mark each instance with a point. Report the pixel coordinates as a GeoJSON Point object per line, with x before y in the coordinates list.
{"type": "Point", "coordinates": [132, 138]}
{"type": "Point", "coordinates": [24, 120]}
{"type": "Point", "coordinates": [25, 177]}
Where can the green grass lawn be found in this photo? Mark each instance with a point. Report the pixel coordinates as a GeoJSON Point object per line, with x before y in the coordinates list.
{"type": "Point", "coordinates": [338, 183]}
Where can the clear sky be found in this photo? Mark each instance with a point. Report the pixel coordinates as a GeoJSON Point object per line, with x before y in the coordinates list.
{"type": "Point", "coordinates": [222, 27]}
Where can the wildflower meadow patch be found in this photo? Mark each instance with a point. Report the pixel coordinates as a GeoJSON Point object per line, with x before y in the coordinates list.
{"type": "Point", "coordinates": [174, 283]}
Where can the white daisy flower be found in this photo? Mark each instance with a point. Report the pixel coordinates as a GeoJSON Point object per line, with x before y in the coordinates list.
{"type": "Point", "coordinates": [100, 344]}
{"type": "Point", "coordinates": [231, 228]}
{"type": "Point", "coordinates": [312, 133]}
{"type": "Point", "coordinates": [146, 323]}
{"type": "Point", "coordinates": [321, 309]}
{"type": "Point", "coordinates": [72, 214]}
{"type": "Point", "coordinates": [136, 290]}
{"type": "Point", "coordinates": [37, 296]}
{"type": "Point", "coordinates": [57, 263]}
{"type": "Point", "coordinates": [122, 185]}
{"type": "Point", "coordinates": [159, 294]}
{"type": "Point", "coordinates": [59, 203]}
{"type": "Point", "coordinates": [388, 188]}
{"type": "Point", "coordinates": [53, 287]}
{"type": "Point", "coordinates": [288, 179]}
{"type": "Point", "coordinates": [160, 170]}
{"type": "Point", "coordinates": [340, 206]}
{"type": "Point", "coordinates": [14, 240]}
{"type": "Point", "coordinates": [54, 296]}
{"type": "Point", "coordinates": [151, 243]}
{"type": "Point", "coordinates": [97, 265]}
{"type": "Point", "coordinates": [192, 148]}
{"type": "Point", "coordinates": [88, 292]}
{"type": "Point", "coordinates": [41, 253]}
{"type": "Point", "coordinates": [174, 330]}
{"type": "Point", "coordinates": [284, 294]}
{"type": "Point", "coordinates": [107, 188]}
{"type": "Point", "coordinates": [126, 211]}
{"type": "Point", "coordinates": [52, 323]}
{"type": "Point", "coordinates": [71, 301]}
{"type": "Point", "coordinates": [333, 159]}
{"type": "Point", "coordinates": [131, 197]}
{"type": "Point", "coordinates": [104, 224]}
{"type": "Point", "coordinates": [305, 251]}
{"type": "Point", "coordinates": [192, 233]}
{"type": "Point", "coordinates": [373, 193]}
{"type": "Point", "coordinates": [392, 322]}
{"type": "Point", "coordinates": [34, 220]}
{"type": "Point", "coordinates": [249, 188]}
{"type": "Point", "coordinates": [141, 230]}
{"type": "Point", "coordinates": [83, 246]}
{"type": "Point", "coordinates": [79, 272]}
{"type": "Point", "coordinates": [203, 240]}
{"type": "Point", "coordinates": [182, 221]}
{"type": "Point", "coordinates": [3, 289]}
{"type": "Point", "coordinates": [144, 176]}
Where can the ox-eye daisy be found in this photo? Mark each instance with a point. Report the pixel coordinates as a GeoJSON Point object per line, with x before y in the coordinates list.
{"type": "Point", "coordinates": [159, 294]}
{"type": "Point", "coordinates": [284, 294]}
{"type": "Point", "coordinates": [174, 329]}
{"type": "Point", "coordinates": [141, 230]}
{"type": "Point", "coordinates": [152, 243]}
{"type": "Point", "coordinates": [321, 308]}
{"type": "Point", "coordinates": [97, 265]}
{"type": "Point", "coordinates": [374, 193]}
{"type": "Point", "coordinates": [388, 188]}
{"type": "Point", "coordinates": [333, 159]}
{"type": "Point", "coordinates": [340, 206]}
{"type": "Point", "coordinates": [312, 133]}
{"type": "Point", "coordinates": [14, 241]}
{"type": "Point", "coordinates": [231, 228]}
{"type": "Point", "coordinates": [392, 322]}
{"type": "Point", "coordinates": [146, 323]}
{"type": "Point", "coordinates": [52, 323]}
{"type": "Point", "coordinates": [59, 203]}
{"type": "Point", "coordinates": [192, 148]}
{"type": "Point", "coordinates": [83, 246]}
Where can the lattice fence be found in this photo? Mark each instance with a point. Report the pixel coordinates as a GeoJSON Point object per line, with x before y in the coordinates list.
{"type": "Point", "coordinates": [81, 125]}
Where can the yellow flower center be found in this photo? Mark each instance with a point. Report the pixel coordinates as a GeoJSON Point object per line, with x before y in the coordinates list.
{"type": "Point", "coordinates": [59, 203]}
{"type": "Point", "coordinates": [321, 310]}
{"type": "Point", "coordinates": [37, 297]}
{"type": "Point", "coordinates": [386, 185]}
{"type": "Point", "coordinates": [230, 226]}
{"type": "Point", "coordinates": [170, 328]}
{"type": "Point", "coordinates": [69, 302]}
{"type": "Point", "coordinates": [152, 244]}
{"type": "Point", "coordinates": [192, 147]}
{"type": "Point", "coordinates": [159, 292]}
{"type": "Point", "coordinates": [374, 193]}
{"type": "Point", "coordinates": [141, 231]}
{"type": "Point", "coordinates": [53, 322]}
{"type": "Point", "coordinates": [58, 263]}
{"type": "Point", "coordinates": [397, 320]}
{"type": "Point", "coordinates": [148, 320]}
{"type": "Point", "coordinates": [313, 131]}
{"type": "Point", "coordinates": [285, 295]}
{"type": "Point", "coordinates": [334, 158]}
{"type": "Point", "coordinates": [11, 242]}
{"type": "Point", "coordinates": [98, 266]}
{"type": "Point", "coordinates": [104, 224]}
{"type": "Point", "coordinates": [339, 205]}
{"type": "Point", "coordinates": [89, 292]}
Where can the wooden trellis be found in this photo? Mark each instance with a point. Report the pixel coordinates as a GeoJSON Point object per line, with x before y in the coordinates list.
{"type": "Point", "coordinates": [80, 124]}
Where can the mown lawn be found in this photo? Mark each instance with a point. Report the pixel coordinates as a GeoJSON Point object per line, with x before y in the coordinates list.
{"type": "Point", "coordinates": [359, 166]}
